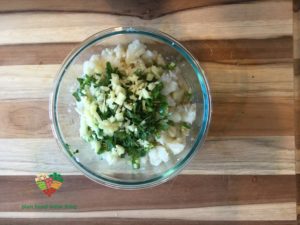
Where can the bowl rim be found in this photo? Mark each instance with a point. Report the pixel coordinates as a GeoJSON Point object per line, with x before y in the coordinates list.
{"type": "Point", "coordinates": [206, 115]}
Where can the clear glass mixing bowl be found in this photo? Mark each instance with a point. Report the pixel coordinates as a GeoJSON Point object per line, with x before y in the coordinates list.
{"type": "Point", "coordinates": [65, 120]}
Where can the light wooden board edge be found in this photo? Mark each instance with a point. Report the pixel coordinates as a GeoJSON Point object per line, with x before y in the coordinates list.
{"type": "Point", "coordinates": [254, 212]}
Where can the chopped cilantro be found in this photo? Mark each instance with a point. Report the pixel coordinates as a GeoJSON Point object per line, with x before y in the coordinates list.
{"type": "Point", "coordinates": [186, 125]}
{"type": "Point", "coordinates": [143, 118]}
{"type": "Point", "coordinates": [171, 66]}
{"type": "Point", "coordinates": [76, 95]}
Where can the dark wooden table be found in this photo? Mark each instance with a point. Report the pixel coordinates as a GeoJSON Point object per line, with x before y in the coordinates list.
{"type": "Point", "coordinates": [246, 172]}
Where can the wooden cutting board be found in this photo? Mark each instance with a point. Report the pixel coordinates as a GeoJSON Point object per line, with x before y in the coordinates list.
{"type": "Point", "coordinates": [245, 173]}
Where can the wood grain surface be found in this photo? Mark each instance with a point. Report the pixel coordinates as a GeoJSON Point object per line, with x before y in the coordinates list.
{"type": "Point", "coordinates": [212, 191]}
{"type": "Point", "coordinates": [238, 155]}
{"type": "Point", "coordinates": [123, 221]}
{"type": "Point", "coordinates": [246, 172]}
{"type": "Point", "coordinates": [296, 53]}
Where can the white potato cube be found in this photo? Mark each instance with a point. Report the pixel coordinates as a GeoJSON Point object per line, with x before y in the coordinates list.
{"type": "Point", "coordinates": [119, 52]}
{"type": "Point", "coordinates": [188, 113]}
{"type": "Point", "coordinates": [109, 157]}
{"type": "Point", "coordinates": [178, 95]}
{"type": "Point", "coordinates": [171, 101]}
{"type": "Point", "coordinates": [135, 50]}
{"type": "Point", "coordinates": [175, 116]}
{"type": "Point", "coordinates": [155, 160]}
{"type": "Point", "coordinates": [163, 154]}
{"type": "Point", "coordinates": [148, 57]}
{"type": "Point", "coordinates": [120, 99]}
{"type": "Point", "coordinates": [95, 145]}
{"type": "Point", "coordinates": [173, 131]}
{"type": "Point", "coordinates": [144, 160]}
{"type": "Point", "coordinates": [83, 131]}
{"type": "Point", "coordinates": [120, 149]}
{"type": "Point", "coordinates": [176, 146]}
{"type": "Point", "coordinates": [158, 155]}
{"type": "Point", "coordinates": [88, 67]}
{"type": "Point", "coordinates": [169, 87]}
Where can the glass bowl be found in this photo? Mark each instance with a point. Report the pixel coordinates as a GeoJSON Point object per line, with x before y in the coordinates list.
{"type": "Point", "coordinates": [65, 120]}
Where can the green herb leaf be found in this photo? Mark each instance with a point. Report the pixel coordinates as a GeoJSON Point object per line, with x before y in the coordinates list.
{"type": "Point", "coordinates": [109, 69]}
{"type": "Point", "coordinates": [171, 66]}
{"type": "Point", "coordinates": [157, 90]}
{"type": "Point", "coordinates": [163, 108]}
{"type": "Point", "coordinates": [187, 96]}
{"type": "Point", "coordinates": [76, 96]}
{"type": "Point", "coordinates": [186, 125]}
